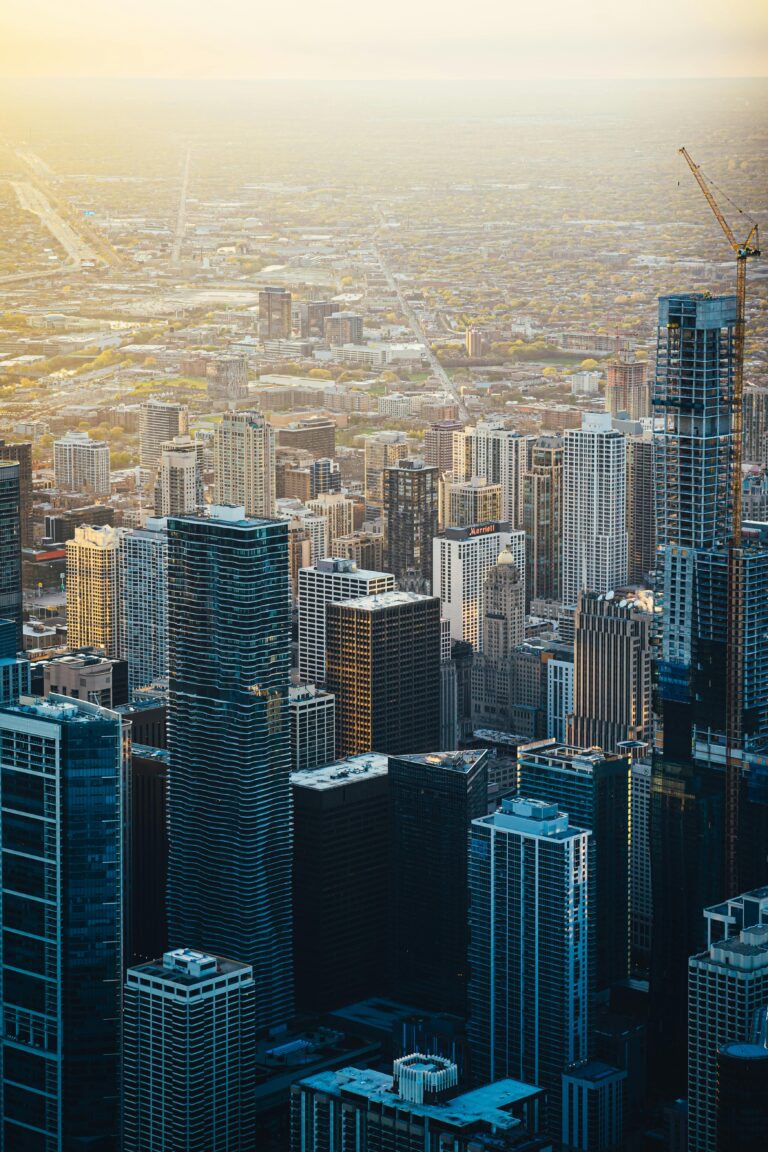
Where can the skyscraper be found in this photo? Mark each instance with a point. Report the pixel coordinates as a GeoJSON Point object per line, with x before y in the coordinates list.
{"type": "Point", "coordinates": [382, 450]}
{"type": "Point", "coordinates": [433, 799]}
{"type": "Point", "coordinates": [61, 905]}
{"type": "Point", "coordinates": [341, 883]}
{"type": "Point", "coordinates": [22, 454]}
{"type": "Point", "coordinates": [274, 314]}
{"type": "Point", "coordinates": [641, 509]}
{"type": "Point", "coordinates": [474, 501]}
{"type": "Point", "coordinates": [594, 508]}
{"type": "Point", "coordinates": [244, 463]}
{"type": "Point", "coordinates": [755, 426]}
{"type": "Point", "coordinates": [594, 789]}
{"type": "Point", "coordinates": [81, 464]}
{"type": "Point", "coordinates": [410, 517]}
{"type": "Point", "coordinates": [93, 589]}
{"type": "Point", "coordinates": [229, 886]}
{"type": "Point", "coordinates": [383, 666]}
{"type": "Point", "coordinates": [329, 580]}
{"type": "Point", "coordinates": [543, 520]}
{"type": "Point", "coordinates": [627, 390]}
{"type": "Point", "coordinates": [338, 511]}
{"type": "Point", "coordinates": [179, 484]}
{"type": "Point", "coordinates": [160, 421]}
{"type": "Point", "coordinates": [313, 727]}
{"type": "Point", "coordinates": [188, 1055]}
{"type": "Point", "coordinates": [10, 546]}
{"type": "Point", "coordinates": [612, 670]}
{"type": "Point", "coordinates": [14, 670]}
{"type": "Point", "coordinates": [498, 455]}
{"type": "Point", "coordinates": [530, 956]}
{"type": "Point", "coordinates": [463, 557]}
{"type": "Point", "coordinates": [143, 585]}
{"type": "Point", "coordinates": [727, 984]}
{"type": "Point", "coordinates": [438, 444]}
{"type": "Point", "coordinates": [503, 630]}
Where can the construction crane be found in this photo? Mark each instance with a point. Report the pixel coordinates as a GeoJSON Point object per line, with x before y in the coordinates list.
{"type": "Point", "coordinates": [734, 688]}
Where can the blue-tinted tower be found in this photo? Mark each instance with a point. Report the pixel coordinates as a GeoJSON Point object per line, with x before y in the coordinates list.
{"type": "Point", "coordinates": [14, 670]}
{"type": "Point", "coordinates": [229, 890]}
{"type": "Point", "coordinates": [10, 545]}
{"type": "Point", "coordinates": [61, 907]}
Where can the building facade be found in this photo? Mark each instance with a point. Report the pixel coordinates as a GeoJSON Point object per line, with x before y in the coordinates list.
{"type": "Point", "coordinates": [143, 588]}
{"type": "Point", "coordinates": [93, 589]}
{"type": "Point", "coordinates": [244, 463]}
{"type": "Point", "coordinates": [179, 484]}
{"type": "Point", "coordinates": [410, 500]}
{"type": "Point", "coordinates": [81, 464]}
{"type": "Point", "coordinates": [159, 421]}
{"type": "Point", "coordinates": [462, 559]}
{"type": "Point", "coordinates": [543, 520]}
{"type": "Point", "coordinates": [11, 605]}
{"type": "Point", "coordinates": [313, 727]}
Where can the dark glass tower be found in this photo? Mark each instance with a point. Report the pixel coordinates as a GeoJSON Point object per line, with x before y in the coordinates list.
{"type": "Point", "coordinates": [433, 800]}
{"type": "Point", "coordinates": [10, 545]}
{"type": "Point", "coordinates": [229, 887]}
{"type": "Point", "coordinates": [410, 517]}
{"type": "Point", "coordinates": [61, 907]}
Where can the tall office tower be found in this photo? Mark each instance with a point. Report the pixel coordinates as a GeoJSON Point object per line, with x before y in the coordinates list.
{"type": "Point", "coordinates": [11, 605]}
{"type": "Point", "coordinates": [438, 444]}
{"type": "Point", "coordinates": [324, 477]}
{"type": "Point", "coordinates": [81, 464]}
{"type": "Point", "coordinates": [274, 314]}
{"type": "Point", "coordinates": [338, 511]}
{"type": "Point", "coordinates": [694, 455]}
{"type": "Point", "coordinates": [593, 789]}
{"type": "Point", "coordinates": [593, 1107]}
{"type": "Point", "coordinates": [340, 882]}
{"type": "Point", "coordinates": [14, 670]}
{"type": "Point", "coordinates": [93, 589]}
{"type": "Point", "coordinates": [244, 463]}
{"type": "Point", "coordinates": [594, 508]}
{"type": "Point", "coordinates": [382, 450]}
{"type": "Point", "coordinates": [313, 727]}
{"type": "Point", "coordinates": [188, 1055]}
{"type": "Point", "coordinates": [474, 501]}
{"type": "Point", "coordinates": [315, 434]}
{"type": "Point", "coordinates": [329, 580]}
{"type": "Point", "coordinates": [449, 691]}
{"type": "Point", "coordinates": [343, 328]}
{"type": "Point", "coordinates": [147, 865]}
{"type": "Point", "coordinates": [179, 485]}
{"type": "Point", "coordinates": [365, 548]}
{"type": "Point", "coordinates": [503, 630]}
{"type": "Point", "coordinates": [418, 1107]}
{"type": "Point", "coordinates": [627, 389]}
{"type": "Point", "coordinates": [612, 670]}
{"type": "Point", "coordinates": [755, 422]}
{"type": "Point", "coordinates": [410, 517]}
{"type": "Point", "coordinates": [727, 984]}
{"type": "Point", "coordinates": [159, 421]}
{"type": "Point", "coordinates": [433, 799]}
{"type": "Point", "coordinates": [559, 697]}
{"type": "Point", "coordinates": [61, 905]}
{"type": "Point", "coordinates": [383, 666]}
{"type": "Point", "coordinates": [143, 588]}
{"type": "Point", "coordinates": [462, 559]}
{"type": "Point", "coordinates": [528, 1018]}
{"type": "Point", "coordinates": [543, 520]}
{"type": "Point", "coordinates": [498, 455]}
{"type": "Point", "coordinates": [308, 316]}
{"type": "Point", "coordinates": [641, 509]}
{"type": "Point", "coordinates": [229, 884]}
{"type": "Point", "coordinates": [641, 899]}
{"type": "Point", "coordinates": [22, 455]}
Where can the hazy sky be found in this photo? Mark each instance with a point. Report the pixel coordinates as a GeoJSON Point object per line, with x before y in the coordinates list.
{"type": "Point", "coordinates": [314, 39]}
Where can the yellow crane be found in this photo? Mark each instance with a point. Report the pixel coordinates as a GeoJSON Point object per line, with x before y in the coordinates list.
{"type": "Point", "coordinates": [734, 691]}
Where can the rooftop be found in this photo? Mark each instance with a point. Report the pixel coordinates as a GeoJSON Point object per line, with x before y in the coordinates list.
{"type": "Point", "coordinates": [187, 968]}
{"type": "Point", "coordinates": [58, 710]}
{"type": "Point", "coordinates": [341, 772]}
{"type": "Point", "coordinates": [386, 600]}
{"type": "Point", "coordinates": [460, 762]}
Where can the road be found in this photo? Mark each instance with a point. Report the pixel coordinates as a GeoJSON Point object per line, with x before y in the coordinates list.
{"type": "Point", "coordinates": [415, 324]}
{"type": "Point", "coordinates": [32, 200]}
{"type": "Point", "coordinates": [181, 216]}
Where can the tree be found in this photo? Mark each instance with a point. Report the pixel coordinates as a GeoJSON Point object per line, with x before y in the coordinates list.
{"type": "Point", "coordinates": [589, 365]}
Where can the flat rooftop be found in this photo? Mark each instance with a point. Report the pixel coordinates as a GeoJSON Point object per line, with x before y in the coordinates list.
{"type": "Point", "coordinates": [385, 600]}
{"type": "Point", "coordinates": [460, 762]}
{"type": "Point", "coordinates": [342, 772]}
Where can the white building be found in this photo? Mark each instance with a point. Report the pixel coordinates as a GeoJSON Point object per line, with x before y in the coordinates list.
{"type": "Point", "coordinates": [81, 464]}
{"type": "Point", "coordinates": [641, 896]}
{"type": "Point", "coordinates": [559, 697]}
{"type": "Point", "coordinates": [395, 405]}
{"type": "Point", "coordinates": [338, 511]}
{"type": "Point", "coordinates": [461, 560]}
{"type": "Point", "coordinates": [313, 727]}
{"type": "Point", "coordinates": [158, 422]}
{"type": "Point", "coordinates": [594, 508]}
{"type": "Point", "coordinates": [329, 580]}
{"type": "Point", "coordinates": [585, 383]}
{"type": "Point", "coordinates": [499, 455]}
{"type": "Point", "coordinates": [144, 603]}
{"type": "Point", "coordinates": [244, 463]}
{"type": "Point", "coordinates": [726, 986]}
{"type": "Point", "coordinates": [179, 484]}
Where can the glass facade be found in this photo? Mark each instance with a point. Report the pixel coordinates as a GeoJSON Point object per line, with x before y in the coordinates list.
{"type": "Point", "coordinates": [10, 545]}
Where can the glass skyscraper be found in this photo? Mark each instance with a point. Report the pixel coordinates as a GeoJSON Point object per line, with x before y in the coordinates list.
{"type": "Point", "coordinates": [10, 544]}
{"type": "Point", "coordinates": [61, 907]}
{"type": "Point", "coordinates": [229, 890]}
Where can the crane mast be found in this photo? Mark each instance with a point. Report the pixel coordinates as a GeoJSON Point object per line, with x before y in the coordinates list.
{"type": "Point", "coordinates": [734, 690]}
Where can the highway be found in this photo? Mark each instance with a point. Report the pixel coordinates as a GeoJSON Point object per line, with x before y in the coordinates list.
{"type": "Point", "coordinates": [415, 324]}
{"type": "Point", "coordinates": [32, 200]}
{"type": "Point", "coordinates": [181, 216]}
